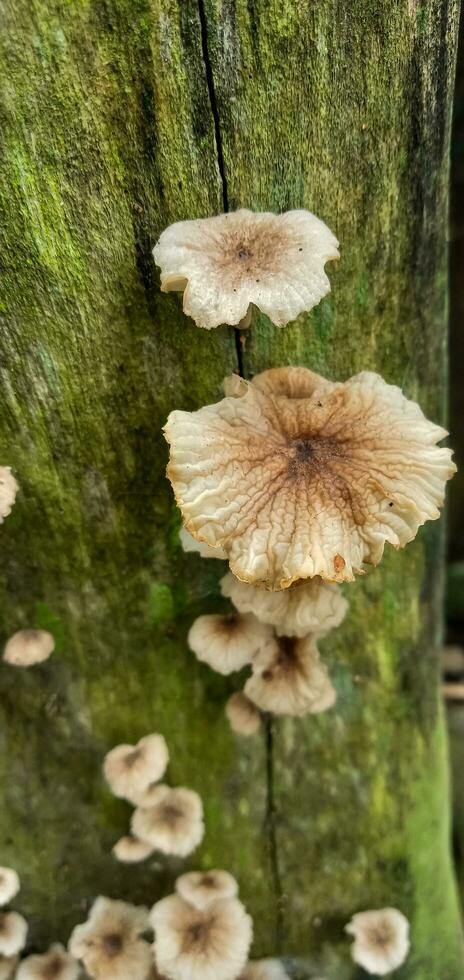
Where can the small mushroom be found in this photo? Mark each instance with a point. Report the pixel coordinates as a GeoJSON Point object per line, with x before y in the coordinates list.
{"type": "Point", "coordinates": [381, 940]}
{"type": "Point", "coordinates": [9, 885]}
{"type": "Point", "coordinates": [201, 944]}
{"type": "Point", "coordinates": [226, 264]}
{"type": "Point", "coordinates": [228, 642]}
{"type": "Point", "coordinates": [55, 964]}
{"type": "Point", "coordinates": [131, 850]}
{"type": "Point", "coordinates": [28, 647]}
{"type": "Point", "coordinates": [173, 823]}
{"type": "Point", "coordinates": [313, 606]}
{"type": "Point", "coordinates": [109, 943]}
{"type": "Point", "coordinates": [13, 932]}
{"type": "Point", "coordinates": [8, 490]}
{"type": "Point", "coordinates": [200, 888]}
{"type": "Point", "coordinates": [189, 544]}
{"type": "Point", "coordinates": [244, 717]}
{"type": "Point", "coordinates": [130, 769]}
{"type": "Point", "coordinates": [293, 486]}
{"type": "Point", "coordinates": [290, 679]}
{"type": "Point", "coordinates": [269, 969]}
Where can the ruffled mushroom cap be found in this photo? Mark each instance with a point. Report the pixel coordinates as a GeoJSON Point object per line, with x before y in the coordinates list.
{"type": "Point", "coordinates": [381, 940]}
{"type": "Point", "coordinates": [13, 932]}
{"type": "Point", "coordinates": [293, 487]}
{"type": "Point", "coordinates": [9, 885]}
{"type": "Point", "coordinates": [189, 544]}
{"type": "Point", "coordinates": [130, 850]}
{"type": "Point", "coordinates": [109, 943]}
{"type": "Point", "coordinates": [225, 264]}
{"type": "Point", "coordinates": [200, 888]}
{"type": "Point", "coordinates": [244, 717]}
{"type": "Point", "coordinates": [56, 964]}
{"type": "Point", "coordinates": [290, 679]}
{"type": "Point", "coordinates": [201, 944]}
{"type": "Point", "coordinates": [8, 490]}
{"type": "Point", "coordinates": [228, 642]}
{"type": "Point", "coordinates": [129, 769]}
{"type": "Point", "coordinates": [313, 606]}
{"type": "Point", "coordinates": [269, 969]}
{"type": "Point", "coordinates": [28, 647]}
{"type": "Point", "coordinates": [8, 966]}
{"type": "Point", "coordinates": [173, 823]}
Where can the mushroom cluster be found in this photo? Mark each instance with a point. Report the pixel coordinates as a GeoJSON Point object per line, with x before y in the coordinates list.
{"type": "Point", "coordinates": [13, 927]}
{"type": "Point", "coordinates": [166, 819]}
{"type": "Point", "coordinates": [8, 490]}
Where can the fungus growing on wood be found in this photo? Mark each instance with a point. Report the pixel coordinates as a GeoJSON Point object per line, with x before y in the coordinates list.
{"type": "Point", "coordinates": [130, 769]}
{"type": "Point", "coordinates": [8, 490]}
{"type": "Point", "coordinates": [13, 932]}
{"type": "Point", "coordinates": [201, 944]}
{"type": "Point", "coordinates": [381, 940]}
{"type": "Point", "coordinates": [293, 487]}
{"type": "Point", "coordinates": [55, 964]}
{"type": "Point", "coordinates": [130, 850]}
{"type": "Point", "coordinates": [28, 647]}
{"type": "Point", "coordinates": [173, 823]}
{"type": "Point", "coordinates": [189, 544]}
{"type": "Point", "coordinates": [290, 679]}
{"type": "Point", "coordinates": [226, 264]}
{"type": "Point", "coordinates": [9, 885]}
{"type": "Point", "coordinates": [269, 969]}
{"type": "Point", "coordinates": [228, 642]}
{"type": "Point", "coordinates": [109, 943]}
{"type": "Point", "coordinates": [243, 716]}
{"type": "Point", "coordinates": [200, 888]}
{"type": "Point", "coordinates": [312, 606]}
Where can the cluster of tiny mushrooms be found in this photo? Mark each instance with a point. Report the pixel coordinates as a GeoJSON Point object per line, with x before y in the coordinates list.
{"type": "Point", "coordinates": [298, 482]}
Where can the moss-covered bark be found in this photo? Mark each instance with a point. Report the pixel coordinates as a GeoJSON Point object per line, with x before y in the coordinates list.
{"type": "Point", "coordinates": [118, 117]}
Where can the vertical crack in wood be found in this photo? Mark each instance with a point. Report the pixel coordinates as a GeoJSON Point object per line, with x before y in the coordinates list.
{"type": "Point", "coordinates": [270, 821]}
{"type": "Point", "coordinates": [219, 147]}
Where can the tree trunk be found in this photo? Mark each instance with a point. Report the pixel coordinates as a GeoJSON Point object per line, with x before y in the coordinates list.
{"type": "Point", "coordinates": [119, 117]}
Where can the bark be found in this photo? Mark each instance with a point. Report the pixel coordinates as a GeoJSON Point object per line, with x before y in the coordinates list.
{"type": "Point", "coordinates": [119, 117]}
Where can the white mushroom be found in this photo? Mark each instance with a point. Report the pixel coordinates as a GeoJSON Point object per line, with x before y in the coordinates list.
{"type": "Point", "coordinates": [130, 769]}
{"type": "Point", "coordinates": [312, 606]}
{"type": "Point", "coordinates": [173, 823]}
{"type": "Point", "coordinates": [290, 679]}
{"type": "Point", "coordinates": [381, 940]}
{"type": "Point", "coordinates": [28, 647]}
{"type": "Point", "coordinates": [200, 888]}
{"type": "Point", "coordinates": [201, 944]}
{"type": "Point", "coordinates": [109, 943]}
{"type": "Point", "coordinates": [243, 716]}
{"type": "Point", "coordinates": [228, 642]}
{"type": "Point", "coordinates": [8, 490]}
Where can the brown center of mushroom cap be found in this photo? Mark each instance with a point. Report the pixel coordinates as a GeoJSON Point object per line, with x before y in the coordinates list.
{"type": "Point", "coordinates": [286, 658]}
{"type": "Point", "coordinates": [229, 623]}
{"type": "Point", "coordinates": [381, 935]}
{"type": "Point", "coordinates": [170, 813]}
{"type": "Point", "coordinates": [112, 943]}
{"type": "Point", "coordinates": [53, 968]}
{"type": "Point", "coordinates": [198, 934]}
{"type": "Point", "coordinates": [208, 881]}
{"type": "Point", "coordinates": [131, 758]}
{"type": "Point", "coordinates": [311, 454]}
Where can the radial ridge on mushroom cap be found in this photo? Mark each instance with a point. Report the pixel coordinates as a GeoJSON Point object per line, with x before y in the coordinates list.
{"type": "Point", "coordinates": [290, 679]}
{"type": "Point", "coordinates": [381, 940]}
{"type": "Point", "coordinates": [13, 932]}
{"type": "Point", "coordinates": [227, 263]}
{"type": "Point", "coordinates": [200, 888]}
{"type": "Point", "coordinates": [293, 487]}
{"type": "Point", "coordinates": [130, 769]}
{"type": "Point", "coordinates": [8, 490]}
{"type": "Point", "coordinates": [310, 606]}
{"type": "Point", "coordinates": [201, 944]}
{"type": "Point", "coordinates": [109, 943]}
{"type": "Point", "coordinates": [243, 716]}
{"type": "Point", "coordinates": [55, 964]}
{"type": "Point", "coordinates": [9, 885]}
{"type": "Point", "coordinates": [173, 823]}
{"type": "Point", "coordinates": [228, 642]}
{"type": "Point", "coordinates": [28, 647]}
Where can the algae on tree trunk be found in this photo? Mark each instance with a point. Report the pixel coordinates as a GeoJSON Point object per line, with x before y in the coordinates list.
{"type": "Point", "coordinates": [119, 117]}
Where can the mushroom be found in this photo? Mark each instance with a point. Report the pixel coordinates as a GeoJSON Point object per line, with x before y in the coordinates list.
{"type": "Point", "coordinates": [313, 606]}
{"type": "Point", "coordinates": [109, 943]}
{"type": "Point", "coordinates": [13, 932]}
{"type": "Point", "coordinates": [131, 849]}
{"type": "Point", "coordinates": [130, 769]}
{"type": "Point", "coordinates": [244, 717]}
{"type": "Point", "coordinates": [201, 944]}
{"type": "Point", "coordinates": [381, 940]}
{"type": "Point", "coordinates": [28, 647]}
{"type": "Point", "coordinates": [228, 642]}
{"type": "Point", "coordinates": [8, 490]}
{"type": "Point", "coordinates": [200, 888]}
{"type": "Point", "coordinates": [8, 966]}
{"type": "Point", "coordinates": [189, 544]}
{"type": "Point", "coordinates": [290, 679]}
{"type": "Point", "coordinates": [173, 823]}
{"type": "Point", "coordinates": [269, 969]}
{"type": "Point", "coordinates": [295, 476]}
{"type": "Point", "coordinates": [9, 885]}
{"type": "Point", "coordinates": [55, 964]}
{"type": "Point", "coordinates": [226, 264]}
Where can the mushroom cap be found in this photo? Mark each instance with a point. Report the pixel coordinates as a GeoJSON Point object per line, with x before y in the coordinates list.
{"type": "Point", "coordinates": [290, 679]}
{"type": "Point", "coordinates": [130, 850]}
{"type": "Point", "coordinates": [108, 943]}
{"type": "Point", "coordinates": [8, 490]}
{"type": "Point", "coordinates": [201, 944]}
{"type": "Point", "coordinates": [28, 647]}
{"type": "Point", "coordinates": [296, 487]}
{"type": "Point", "coordinates": [13, 932]}
{"type": "Point", "coordinates": [130, 769]}
{"type": "Point", "coordinates": [311, 606]}
{"type": "Point", "coordinates": [228, 642]}
{"type": "Point", "coordinates": [268, 969]}
{"type": "Point", "coordinates": [243, 716]}
{"type": "Point", "coordinates": [9, 884]}
{"type": "Point", "coordinates": [226, 263]}
{"type": "Point", "coordinates": [55, 964]}
{"type": "Point", "coordinates": [200, 888]}
{"type": "Point", "coordinates": [173, 823]}
{"type": "Point", "coordinates": [381, 939]}
{"type": "Point", "coordinates": [189, 544]}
